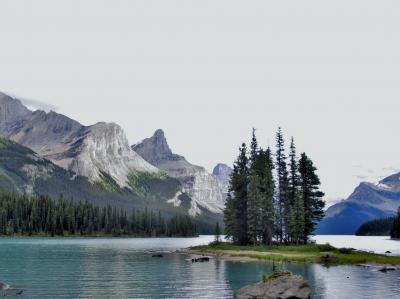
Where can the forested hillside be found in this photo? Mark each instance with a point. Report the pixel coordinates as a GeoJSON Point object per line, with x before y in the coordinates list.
{"type": "Point", "coordinates": [26, 215]}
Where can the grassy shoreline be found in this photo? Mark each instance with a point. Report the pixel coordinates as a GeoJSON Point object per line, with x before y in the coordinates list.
{"type": "Point", "coordinates": [323, 254]}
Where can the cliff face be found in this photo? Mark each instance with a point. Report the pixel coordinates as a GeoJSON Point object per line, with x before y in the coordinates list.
{"type": "Point", "coordinates": [223, 173]}
{"type": "Point", "coordinates": [205, 190]}
{"type": "Point", "coordinates": [87, 150]}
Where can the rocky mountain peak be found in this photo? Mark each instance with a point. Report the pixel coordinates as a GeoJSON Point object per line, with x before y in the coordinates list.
{"type": "Point", "coordinates": [222, 170]}
{"type": "Point", "coordinates": [11, 110]}
{"type": "Point", "coordinates": [391, 183]}
{"type": "Point", "coordinates": [156, 149]}
{"type": "Point", "coordinates": [205, 190]}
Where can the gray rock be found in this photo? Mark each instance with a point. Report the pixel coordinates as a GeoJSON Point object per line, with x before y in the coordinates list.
{"type": "Point", "coordinates": [205, 190]}
{"type": "Point", "coordinates": [223, 173]}
{"type": "Point", "coordinates": [285, 287]}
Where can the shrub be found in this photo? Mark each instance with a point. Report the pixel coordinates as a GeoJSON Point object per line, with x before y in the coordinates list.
{"type": "Point", "coordinates": [346, 250]}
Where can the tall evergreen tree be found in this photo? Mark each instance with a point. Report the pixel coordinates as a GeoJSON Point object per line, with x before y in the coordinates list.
{"type": "Point", "coordinates": [311, 195]}
{"type": "Point", "coordinates": [267, 203]}
{"type": "Point", "coordinates": [293, 180]}
{"type": "Point", "coordinates": [293, 173]}
{"type": "Point", "coordinates": [395, 232]}
{"type": "Point", "coordinates": [236, 206]}
{"type": "Point", "coordinates": [282, 196]}
{"type": "Point", "coordinates": [297, 221]}
{"type": "Point", "coordinates": [217, 233]}
{"type": "Point", "coordinates": [254, 209]}
{"type": "Point", "coordinates": [253, 149]}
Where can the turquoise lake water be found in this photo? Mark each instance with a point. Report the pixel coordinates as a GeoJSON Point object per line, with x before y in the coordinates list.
{"type": "Point", "coordinates": [125, 268]}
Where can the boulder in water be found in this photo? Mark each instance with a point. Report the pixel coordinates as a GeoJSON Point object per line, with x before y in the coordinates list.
{"type": "Point", "coordinates": [284, 287]}
{"type": "Point", "coordinates": [387, 269]}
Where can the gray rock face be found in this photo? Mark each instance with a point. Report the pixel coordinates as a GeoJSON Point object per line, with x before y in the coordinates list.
{"type": "Point", "coordinates": [86, 150]}
{"type": "Point", "coordinates": [286, 287]}
{"type": "Point", "coordinates": [223, 173]}
{"type": "Point", "coordinates": [155, 149]}
{"type": "Point", "coordinates": [205, 190]}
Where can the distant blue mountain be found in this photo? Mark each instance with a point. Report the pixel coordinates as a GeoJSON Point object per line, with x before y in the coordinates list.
{"type": "Point", "coordinates": [368, 202]}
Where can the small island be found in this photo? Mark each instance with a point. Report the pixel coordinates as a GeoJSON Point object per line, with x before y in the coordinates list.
{"type": "Point", "coordinates": [311, 253]}
{"type": "Point", "coordinates": [272, 217]}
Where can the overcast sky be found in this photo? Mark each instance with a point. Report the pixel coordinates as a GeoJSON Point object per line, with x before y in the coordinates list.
{"type": "Point", "coordinates": [208, 71]}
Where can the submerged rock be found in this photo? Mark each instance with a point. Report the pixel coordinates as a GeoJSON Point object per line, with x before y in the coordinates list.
{"type": "Point", "coordinates": [387, 269]}
{"type": "Point", "coordinates": [201, 259]}
{"type": "Point", "coordinates": [284, 287]}
{"type": "Point", "coordinates": [7, 290]}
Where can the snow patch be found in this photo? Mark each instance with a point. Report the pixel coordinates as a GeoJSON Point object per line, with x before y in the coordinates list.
{"type": "Point", "coordinates": [384, 186]}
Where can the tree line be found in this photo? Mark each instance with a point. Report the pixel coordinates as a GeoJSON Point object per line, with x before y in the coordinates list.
{"type": "Point", "coordinates": [274, 197]}
{"type": "Point", "coordinates": [395, 231]}
{"type": "Point", "coordinates": [377, 227]}
{"type": "Point", "coordinates": [381, 227]}
{"type": "Point", "coordinates": [25, 215]}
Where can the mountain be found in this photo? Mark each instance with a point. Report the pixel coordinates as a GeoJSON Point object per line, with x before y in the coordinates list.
{"type": "Point", "coordinates": [223, 173]}
{"type": "Point", "coordinates": [90, 151]}
{"type": "Point", "coordinates": [25, 172]}
{"type": "Point", "coordinates": [368, 202]}
{"type": "Point", "coordinates": [206, 190]}
{"type": "Point", "coordinates": [100, 159]}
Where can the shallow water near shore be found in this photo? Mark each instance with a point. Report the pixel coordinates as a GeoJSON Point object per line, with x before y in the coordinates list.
{"type": "Point", "coordinates": [125, 268]}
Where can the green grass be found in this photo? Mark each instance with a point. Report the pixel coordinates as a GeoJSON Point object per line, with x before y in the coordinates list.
{"type": "Point", "coordinates": [325, 254]}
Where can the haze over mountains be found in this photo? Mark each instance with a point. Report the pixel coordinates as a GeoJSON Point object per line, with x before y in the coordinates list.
{"type": "Point", "coordinates": [101, 153]}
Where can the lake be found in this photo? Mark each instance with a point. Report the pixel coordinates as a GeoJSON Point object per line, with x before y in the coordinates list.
{"type": "Point", "coordinates": [125, 268]}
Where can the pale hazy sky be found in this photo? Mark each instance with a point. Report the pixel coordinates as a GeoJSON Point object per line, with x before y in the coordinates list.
{"type": "Point", "coordinates": [208, 71]}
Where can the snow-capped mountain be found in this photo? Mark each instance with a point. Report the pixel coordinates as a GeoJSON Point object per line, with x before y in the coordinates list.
{"type": "Point", "coordinates": [369, 201]}
{"type": "Point", "coordinates": [205, 190]}
{"type": "Point", "coordinates": [90, 151]}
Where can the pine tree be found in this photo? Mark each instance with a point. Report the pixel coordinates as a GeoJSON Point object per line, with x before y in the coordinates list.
{"type": "Point", "coordinates": [267, 203]}
{"type": "Point", "coordinates": [395, 232]}
{"type": "Point", "coordinates": [293, 180]}
{"type": "Point", "coordinates": [254, 209]}
{"type": "Point", "coordinates": [253, 149]}
{"type": "Point", "coordinates": [297, 221]}
{"type": "Point", "coordinates": [217, 233]}
{"type": "Point", "coordinates": [293, 173]}
{"type": "Point", "coordinates": [236, 220]}
{"type": "Point", "coordinates": [283, 201]}
{"type": "Point", "coordinates": [311, 195]}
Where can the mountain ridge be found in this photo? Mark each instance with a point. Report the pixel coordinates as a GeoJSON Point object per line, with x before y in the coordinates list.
{"type": "Point", "coordinates": [86, 150]}
{"type": "Point", "coordinates": [368, 202]}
